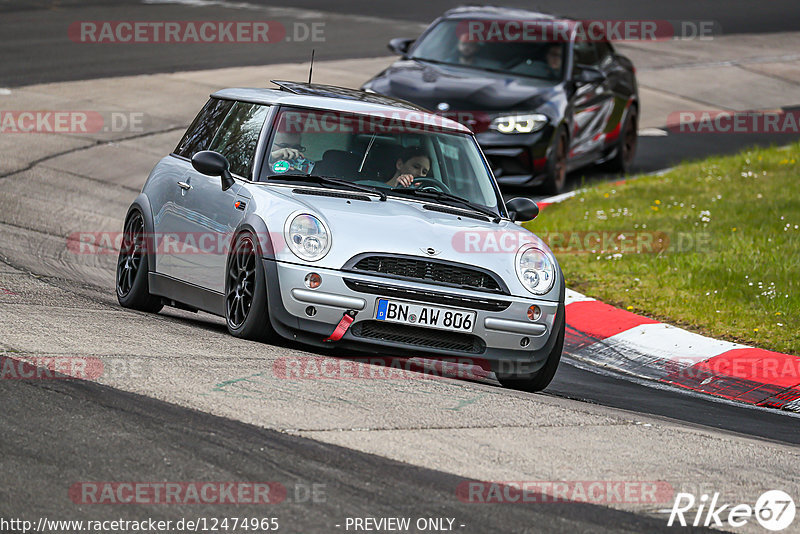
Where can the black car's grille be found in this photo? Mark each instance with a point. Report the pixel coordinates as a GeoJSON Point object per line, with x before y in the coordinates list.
{"type": "Point", "coordinates": [432, 272]}
{"type": "Point", "coordinates": [419, 337]}
{"type": "Point", "coordinates": [434, 297]}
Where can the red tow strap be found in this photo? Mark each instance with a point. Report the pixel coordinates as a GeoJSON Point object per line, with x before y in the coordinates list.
{"type": "Point", "coordinates": [347, 319]}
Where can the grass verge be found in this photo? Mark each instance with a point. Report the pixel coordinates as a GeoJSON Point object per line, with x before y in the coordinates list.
{"type": "Point", "coordinates": [712, 246]}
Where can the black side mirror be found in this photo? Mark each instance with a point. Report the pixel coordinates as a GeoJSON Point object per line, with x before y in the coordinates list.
{"type": "Point", "coordinates": [522, 209]}
{"type": "Point", "coordinates": [586, 75]}
{"type": "Point", "coordinates": [400, 45]}
{"type": "Point", "coordinates": [213, 163]}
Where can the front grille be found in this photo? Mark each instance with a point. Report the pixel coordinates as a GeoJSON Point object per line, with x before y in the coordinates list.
{"type": "Point", "coordinates": [428, 271]}
{"type": "Point", "coordinates": [419, 337]}
{"type": "Point", "coordinates": [407, 293]}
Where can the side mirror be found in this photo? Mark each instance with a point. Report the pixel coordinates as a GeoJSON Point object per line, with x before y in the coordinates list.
{"type": "Point", "coordinates": [586, 75]}
{"type": "Point", "coordinates": [400, 45]}
{"type": "Point", "coordinates": [213, 163]}
{"type": "Point", "coordinates": [522, 209]}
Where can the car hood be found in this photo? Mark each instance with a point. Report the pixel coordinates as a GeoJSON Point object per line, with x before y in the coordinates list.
{"type": "Point", "coordinates": [396, 226]}
{"type": "Point", "coordinates": [462, 88]}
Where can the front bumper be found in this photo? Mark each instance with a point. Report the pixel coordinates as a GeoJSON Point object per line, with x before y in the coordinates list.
{"type": "Point", "coordinates": [517, 159]}
{"type": "Point", "coordinates": [498, 335]}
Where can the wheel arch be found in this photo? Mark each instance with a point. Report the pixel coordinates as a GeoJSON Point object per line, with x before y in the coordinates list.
{"type": "Point", "coordinates": [255, 225]}
{"type": "Point", "coordinates": [142, 204]}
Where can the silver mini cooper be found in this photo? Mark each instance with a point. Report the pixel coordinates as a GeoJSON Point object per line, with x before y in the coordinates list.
{"type": "Point", "coordinates": [337, 217]}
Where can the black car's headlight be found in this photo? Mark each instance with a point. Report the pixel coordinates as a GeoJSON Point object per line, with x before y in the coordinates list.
{"type": "Point", "coordinates": [513, 124]}
{"type": "Point", "coordinates": [307, 236]}
{"type": "Point", "coordinates": [535, 269]}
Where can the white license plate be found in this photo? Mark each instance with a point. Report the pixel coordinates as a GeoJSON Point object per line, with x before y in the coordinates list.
{"type": "Point", "coordinates": [393, 311]}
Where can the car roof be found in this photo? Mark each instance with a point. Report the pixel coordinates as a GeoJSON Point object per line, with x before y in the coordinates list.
{"type": "Point", "coordinates": [333, 98]}
{"type": "Point", "coordinates": [496, 12]}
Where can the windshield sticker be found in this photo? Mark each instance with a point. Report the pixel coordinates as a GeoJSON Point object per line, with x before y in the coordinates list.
{"type": "Point", "coordinates": [280, 166]}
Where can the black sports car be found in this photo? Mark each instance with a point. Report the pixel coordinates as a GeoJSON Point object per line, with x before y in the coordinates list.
{"type": "Point", "coordinates": [543, 95]}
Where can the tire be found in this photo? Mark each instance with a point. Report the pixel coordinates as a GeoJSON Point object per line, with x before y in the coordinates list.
{"type": "Point", "coordinates": [556, 172]}
{"type": "Point", "coordinates": [246, 312]}
{"type": "Point", "coordinates": [131, 277]}
{"type": "Point", "coordinates": [626, 146]}
{"type": "Point", "coordinates": [542, 378]}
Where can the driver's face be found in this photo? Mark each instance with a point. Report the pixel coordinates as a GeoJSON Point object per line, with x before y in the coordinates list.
{"type": "Point", "coordinates": [554, 57]}
{"type": "Point", "coordinates": [288, 140]}
{"type": "Point", "coordinates": [417, 166]}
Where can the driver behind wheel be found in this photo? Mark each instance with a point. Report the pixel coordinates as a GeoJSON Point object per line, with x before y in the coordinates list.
{"type": "Point", "coordinates": [413, 162]}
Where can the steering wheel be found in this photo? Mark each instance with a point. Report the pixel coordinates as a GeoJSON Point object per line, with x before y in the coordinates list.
{"type": "Point", "coordinates": [426, 183]}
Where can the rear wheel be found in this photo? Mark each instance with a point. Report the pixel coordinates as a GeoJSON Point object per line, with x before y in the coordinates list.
{"type": "Point", "coordinates": [132, 285]}
{"type": "Point", "coordinates": [543, 377]}
{"type": "Point", "coordinates": [246, 292]}
{"type": "Point", "coordinates": [626, 147]}
{"type": "Point", "coordinates": [556, 173]}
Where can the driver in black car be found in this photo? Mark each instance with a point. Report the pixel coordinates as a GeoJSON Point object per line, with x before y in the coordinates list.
{"type": "Point", "coordinates": [413, 162]}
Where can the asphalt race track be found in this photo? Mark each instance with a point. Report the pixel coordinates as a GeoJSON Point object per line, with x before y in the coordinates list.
{"type": "Point", "coordinates": [205, 409]}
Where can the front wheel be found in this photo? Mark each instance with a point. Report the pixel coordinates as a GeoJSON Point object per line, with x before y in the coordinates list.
{"type": "Point", "coordinates": [622, 161]}
{"type": "Point", "coordinates": [246, 292]}
{"type": "Point", "coordinates": [542, 378]}
{"type": "Point", "coordinates": [133, 289]}
{"type": "Point", "coordinates": [556, 172]}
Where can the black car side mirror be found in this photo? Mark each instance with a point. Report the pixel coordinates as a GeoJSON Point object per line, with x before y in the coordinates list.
{"type": "Point", "coordinates": [587, 75]}
{"type": "Point", "coordinates": [400, 45]}
{"type": "Point", "coordinates": [522, 209]}
{"type": "Point", "coordinates": [213, 163]}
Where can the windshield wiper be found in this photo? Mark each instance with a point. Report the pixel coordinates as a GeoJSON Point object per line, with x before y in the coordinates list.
{"type": "Point", "coordinates": [327, 180]}
{"type": "Point", "coordinates": [441, 195]}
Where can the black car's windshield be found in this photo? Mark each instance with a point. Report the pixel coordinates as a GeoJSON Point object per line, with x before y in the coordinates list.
{"type": "Point", "coordinates": [382, 152]}
{"type": "Point", "coordinates": [452, 42]}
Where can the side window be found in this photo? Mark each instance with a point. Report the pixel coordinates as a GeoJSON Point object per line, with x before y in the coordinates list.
{"type": "Point", "coordinates": [205, 125]}
{"type": "Point", "coordinates": [238, 136]}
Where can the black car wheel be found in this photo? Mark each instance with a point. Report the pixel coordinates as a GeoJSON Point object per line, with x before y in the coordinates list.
{"type": "Point", "coordinates": [556, 174]}
{"type": "Point", "coordinates": [542, 378]}
{"type": "Point", "coordinates": [626, 146]}
{"type": "Point", "coordinates": [132, 284]}
{"type": "Point", "coordinates": [246, 292]}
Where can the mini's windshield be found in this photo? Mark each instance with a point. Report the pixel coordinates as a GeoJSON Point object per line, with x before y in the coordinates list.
{"type": "Point", "coordinates": [394, 152]}
{"type": "Point", "coordinates": [494, 47]}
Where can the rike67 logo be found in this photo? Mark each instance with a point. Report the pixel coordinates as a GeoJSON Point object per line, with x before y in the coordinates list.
{"type": "Point", "coordinates": [774, 510]}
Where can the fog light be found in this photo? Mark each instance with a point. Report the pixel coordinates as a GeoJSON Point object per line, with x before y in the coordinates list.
{"type": "Point", "coordinates": [313, 280]}
{"type": "Point", "coordinates": [311, 311]}
{"type": "Point", "coordinates": [534, 312]}
{"type": "Point", "coordinates": [524, 342]}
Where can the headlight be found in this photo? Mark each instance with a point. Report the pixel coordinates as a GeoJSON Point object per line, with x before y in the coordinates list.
{"type": "Point", "coordinates": [308, 238]}
{"type": "Point", "coordinates": [519, 123]}
{"type": "Point", "coordinates": [535, 269]}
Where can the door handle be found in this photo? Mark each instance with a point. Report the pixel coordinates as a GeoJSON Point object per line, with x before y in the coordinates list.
{"type": "Point", "coordinates": [184, 186]}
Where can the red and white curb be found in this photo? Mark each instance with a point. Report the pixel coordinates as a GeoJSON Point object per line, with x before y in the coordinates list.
{"type": "Point", "coordinates": [612, 338]}
{"type": "Point", "coordinates": [617, 339]}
